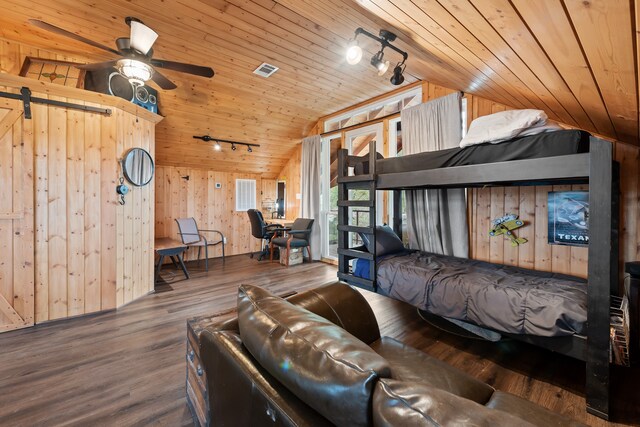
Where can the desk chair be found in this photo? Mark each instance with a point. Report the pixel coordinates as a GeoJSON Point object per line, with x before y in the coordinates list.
{"type": "Point", "coordinates": [191, 236]}
{"type": "Point", "coordinates": [296, 237]}
{"type": "Point", "coordinates": [261, 230]}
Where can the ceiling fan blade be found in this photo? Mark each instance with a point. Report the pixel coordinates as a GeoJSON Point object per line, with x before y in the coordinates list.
{"type": "Point", "coordinates": [60, 31]}
{"type": "Point", "coordinates": [142, 37]}
{"type": "Point", "coordinates": [196, 70]}
{"type": "Point", "coordinates": [97, 66]}
{"type": "Point", "coordinates": [162, 81]}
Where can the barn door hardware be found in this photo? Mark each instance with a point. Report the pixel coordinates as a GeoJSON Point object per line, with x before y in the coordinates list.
{"type": "Point", "coordinates": [27, 99]}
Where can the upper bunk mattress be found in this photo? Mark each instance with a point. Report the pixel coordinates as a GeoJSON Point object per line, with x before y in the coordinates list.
{"type": "Point", "coordinates": [548, 144]}
{"type": "Point", "coordinates": [503, 298]}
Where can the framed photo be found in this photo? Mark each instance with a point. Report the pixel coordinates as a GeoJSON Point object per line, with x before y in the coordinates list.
{"type": "Point", "coordinates": [59, 72]}
{"type": "Point", "coordinates": [568, 213]}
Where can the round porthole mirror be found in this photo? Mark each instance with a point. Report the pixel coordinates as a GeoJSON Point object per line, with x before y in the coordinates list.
{"type": "Point", "coordinates": [138, 167]}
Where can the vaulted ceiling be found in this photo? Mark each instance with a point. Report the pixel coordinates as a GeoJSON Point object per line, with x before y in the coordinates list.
{"type": "Point", "coordinates": [576, 59]}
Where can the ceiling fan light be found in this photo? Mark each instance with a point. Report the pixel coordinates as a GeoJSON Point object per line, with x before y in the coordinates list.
{"type": "Point", "coordinates": [354, 53]}
{"type": "Point", "coordinates": [136, 71]}
{"type": "Point", "coordinates": [142, 37]}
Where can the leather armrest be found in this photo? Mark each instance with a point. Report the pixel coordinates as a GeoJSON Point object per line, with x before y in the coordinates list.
{"type": "Point", "coordinates": [336, 302]}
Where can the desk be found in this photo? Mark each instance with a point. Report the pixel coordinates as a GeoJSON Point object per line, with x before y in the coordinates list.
{"type": "Point", "coordinates": [165, 246]}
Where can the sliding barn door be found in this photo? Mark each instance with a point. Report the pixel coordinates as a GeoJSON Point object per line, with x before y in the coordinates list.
{"type": "Point", "coordinates": [16, 218]}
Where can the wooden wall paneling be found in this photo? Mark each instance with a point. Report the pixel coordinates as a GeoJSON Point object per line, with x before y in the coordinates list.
{"type": "Point", "coordinates": [24, 246]}
{"type": "Point", "coordinates": [497, 209]}
{"type": "Point", "coordinates": [527, 212]}
{"type": "Point", "coordinates": [108, 212]}
{"type": "Point", "coordinates": [540, 221]}
{"type": "Point", "coordinates": [76, 254]}
{"type": "Point", "coordinates": [128, 212]}
{"type": "Point", "coordinates": [57, 212]}
{"type": "Point", "coordinates": [121, 271]}
{"type": "Point", "coordinates": [213, 208]}
{"type": "Point", "coordinates": [6, 207]}
{"type": "Point", "coordinates": [92, 220]}
{"type": "Point", "coordinates": [16, 218]}
{"type": "Point", "coordinates": [75, 212]}
{"type": "Point", "coordinates": [41, 136]}
{"type": "Point", "coordinates": [160, 203]}
{"type": "Point", "coordinates": [629, 158]}
{"type": "Point", "coordinates": [483, 219]}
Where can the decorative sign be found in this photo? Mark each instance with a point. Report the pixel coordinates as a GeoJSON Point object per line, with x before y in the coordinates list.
{"type": "Point", "coordinates": [568, 218]}
{"type": "Point", "coordinates": [59, 72]}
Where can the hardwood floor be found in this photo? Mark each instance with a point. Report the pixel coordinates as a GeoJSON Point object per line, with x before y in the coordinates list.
{"type": "Point", "coordinates": [127, 367]}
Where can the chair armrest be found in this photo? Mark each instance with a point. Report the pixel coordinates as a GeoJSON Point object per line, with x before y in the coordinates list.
{"type": "Point", "coordinates": [214, 231]}
{"type": "Point", "coordinates": [299, 231]}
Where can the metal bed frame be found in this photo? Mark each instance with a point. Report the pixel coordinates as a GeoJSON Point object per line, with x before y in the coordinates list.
{"type": "Point", "coordinates": [596, 168]}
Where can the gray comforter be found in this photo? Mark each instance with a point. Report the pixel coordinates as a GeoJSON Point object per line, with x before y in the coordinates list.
{"type": "Point", "coordinates": [503, 298]}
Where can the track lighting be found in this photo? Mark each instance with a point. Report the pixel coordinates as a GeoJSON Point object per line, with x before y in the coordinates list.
{"type": "Point", "coordinates": [377, 61]}
{"type": "Point", "coordinates": [234, 144]}
{"type": "Point", "coordinates": [397, 77]}
{"type": "Point", "coordinates": [354, 54]}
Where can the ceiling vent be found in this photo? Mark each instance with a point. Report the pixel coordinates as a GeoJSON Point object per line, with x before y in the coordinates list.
{"type": "Point", "coordinates": [265, 70]}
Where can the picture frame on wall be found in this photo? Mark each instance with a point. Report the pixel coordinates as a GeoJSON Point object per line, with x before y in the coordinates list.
{"type": "Point", "coordinates": [568, 213]}
{"type": "Point", "coordinates": [64, 73]}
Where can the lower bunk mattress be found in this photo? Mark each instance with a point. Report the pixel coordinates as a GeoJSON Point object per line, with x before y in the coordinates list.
{"type": "Point", "coordinates": [503, 298]}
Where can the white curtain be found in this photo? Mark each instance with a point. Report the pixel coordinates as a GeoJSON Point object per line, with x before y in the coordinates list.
{"type": "Point", "coordinates": [310, 178]}
{"type": "Point", "coordinates": [436, 219]}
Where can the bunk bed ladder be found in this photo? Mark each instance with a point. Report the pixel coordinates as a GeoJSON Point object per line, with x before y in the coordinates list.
{"type": "Point", "coordinates": [346, 182]}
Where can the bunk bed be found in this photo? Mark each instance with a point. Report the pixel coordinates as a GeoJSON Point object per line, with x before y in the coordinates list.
{"type": "Point", "coordinates": [563, 157]}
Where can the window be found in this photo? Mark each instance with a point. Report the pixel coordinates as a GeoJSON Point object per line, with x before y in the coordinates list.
{"type": "Point", "coordinates": [245, 194]}
{"type": "Point", "coordinates": [375, 110]}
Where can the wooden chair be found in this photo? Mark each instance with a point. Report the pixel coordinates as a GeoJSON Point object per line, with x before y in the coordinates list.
{"type": "Point", "coordinates": [296, 237]}
{"type": "Point", "coordinates": [191, 236]}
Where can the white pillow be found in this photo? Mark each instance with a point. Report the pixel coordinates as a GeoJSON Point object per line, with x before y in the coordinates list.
{"type": "Point", "coordinates": [502, 126]}
{"type": "Point", "coordinates": [550, 126]}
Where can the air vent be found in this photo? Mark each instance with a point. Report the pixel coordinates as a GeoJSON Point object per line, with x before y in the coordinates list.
{"type": "Point", "coordinates": [265, 70]}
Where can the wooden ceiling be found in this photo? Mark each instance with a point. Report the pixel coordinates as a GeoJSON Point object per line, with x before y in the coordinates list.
{"type": "Point", "coordinates": [576, 59]}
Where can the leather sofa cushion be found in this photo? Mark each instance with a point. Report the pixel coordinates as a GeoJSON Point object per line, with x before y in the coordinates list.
{"type": "Point", "coordinates": [324, 365]}
{"type": "Point", "coordinates": [409, 364]}
{"type": "Point", "coordinates": [522, 408]}
{"type": "Point", "coordinates": [403, 403]}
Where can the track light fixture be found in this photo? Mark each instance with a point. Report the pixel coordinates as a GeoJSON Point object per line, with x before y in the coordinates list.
{"type": "Point", "coordinates": [397, 78]}
{"type": "Point", "coordinates": [354, 54]}
{"type": "Point", "coordinates": [217, 142]}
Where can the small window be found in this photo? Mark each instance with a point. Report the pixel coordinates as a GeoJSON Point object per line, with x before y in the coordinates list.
{"type": "Point", "coordinates": [245, 194]}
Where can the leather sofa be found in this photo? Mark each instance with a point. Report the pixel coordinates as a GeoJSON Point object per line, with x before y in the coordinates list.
{"type": "Point", "coordinates": [318, 359]}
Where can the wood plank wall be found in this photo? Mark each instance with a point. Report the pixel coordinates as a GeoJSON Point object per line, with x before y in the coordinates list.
{"type": "Point", "coordinates": [91, 254]}
{"type": "Point", "coordinates": [16, 218]}
{"type": "Point", "coordinates": [291, 174]}
{"type": "Point", "coordinates": [531, 204]}
{"type": "Point", "coordinates": [213, 208]}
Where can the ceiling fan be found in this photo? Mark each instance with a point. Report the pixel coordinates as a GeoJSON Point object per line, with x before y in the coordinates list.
{"type": "Point", "coordinates": [136, 63]}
